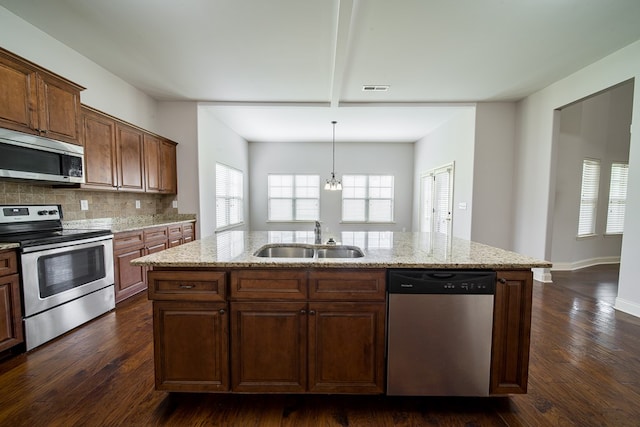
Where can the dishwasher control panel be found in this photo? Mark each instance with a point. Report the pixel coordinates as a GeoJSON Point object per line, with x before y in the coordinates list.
{"type": "Point", "coordinates": [419, 281]}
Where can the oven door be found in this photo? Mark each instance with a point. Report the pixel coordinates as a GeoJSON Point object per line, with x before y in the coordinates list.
{"type": "Point", "coordinates": [57, 273]}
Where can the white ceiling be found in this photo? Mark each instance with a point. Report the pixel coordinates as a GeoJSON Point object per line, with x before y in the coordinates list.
{"type": "Point", "coordinates": [283, 69]}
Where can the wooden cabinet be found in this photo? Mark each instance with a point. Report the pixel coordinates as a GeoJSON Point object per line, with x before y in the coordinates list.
{"type": "Point", "coordinates": [11, 333]}
{"type": "Point", "coordinates": [285, 338]}
{"type": "Point", "coordinates": [511, 332]}
{"type": "Point", "coordinates": [38, 102]}
{"type": "Point", "coordinates": [160, 165]}
{"type": "Point", "coordinates": [129, 279]}
{"type": "Point", "coordinates": [129, 245]}
{"type": "Point", "coordinates": [191, 342]}
{"type": "Point", "coordinates": [122, 157]}
{"type": "Point", "coordinates": [191, 338]}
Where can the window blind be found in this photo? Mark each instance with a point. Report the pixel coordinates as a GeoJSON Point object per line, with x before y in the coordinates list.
{"type": "Point", "coordinates": [367, 198]}
{"type": "Point", "coordinates": [617, 198]}
{"type": "Point", "coordinates": [588, 197]}
{"type": "Point", "coordinates": [293, 197]}
{"type": "Point", "coordinates": [229, 196]}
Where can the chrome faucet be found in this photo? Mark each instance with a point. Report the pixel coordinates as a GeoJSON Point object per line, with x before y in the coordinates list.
{"type": "Point", "coordinates": [318, 233]}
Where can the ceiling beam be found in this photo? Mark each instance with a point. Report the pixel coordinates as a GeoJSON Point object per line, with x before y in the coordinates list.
{"type": "Point", "coordinates": [341, 47]}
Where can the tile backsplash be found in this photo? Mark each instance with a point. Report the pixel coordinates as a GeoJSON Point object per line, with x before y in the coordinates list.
{"type": "Point", "coordinates": [102, 204]}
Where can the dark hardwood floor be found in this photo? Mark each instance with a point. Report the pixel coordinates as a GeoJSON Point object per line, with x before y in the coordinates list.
{"type": "Point", "coordinates": [584, 371]}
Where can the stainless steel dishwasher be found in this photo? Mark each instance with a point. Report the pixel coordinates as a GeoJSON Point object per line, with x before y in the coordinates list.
{"type": "Point", "coordinates": [439, 332]}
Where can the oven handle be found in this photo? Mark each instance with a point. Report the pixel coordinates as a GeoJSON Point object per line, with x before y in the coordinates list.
{"type": "Point", "coordinates": [39, 248]}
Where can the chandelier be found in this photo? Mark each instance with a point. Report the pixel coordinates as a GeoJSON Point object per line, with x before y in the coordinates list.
{"type": "Point", "coordinates": [333, 184]}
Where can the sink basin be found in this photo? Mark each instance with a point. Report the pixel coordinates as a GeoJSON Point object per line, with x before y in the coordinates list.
{"type": "Point", "coordinates": [278, 251]}
{"type": "Point", "coordinates": [339, 252]}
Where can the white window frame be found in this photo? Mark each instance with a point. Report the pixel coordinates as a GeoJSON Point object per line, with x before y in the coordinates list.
{"type": "Point", "coordinates": [229, 197]}
{"type": "Point", "coordinates": [368, 197]}
{"type": "Point", "coordinates": [436, 204]}
{"type": "Point", "coordinates": [617, 197]}
{"type": "Point", "coordinates": [297, 194]}
{"type": "Point", "coordinates": [589, 189]}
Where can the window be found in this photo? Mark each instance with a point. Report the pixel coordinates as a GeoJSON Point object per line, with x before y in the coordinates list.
{"type": "Point", "coordinates": [368, 239]}
{"type": "Point", "coordinates": [367, 198]}
{"type": "Point", "coordinates": [294, 197]}
{"type": "Point", "coordinates": [589, 197]}
{"type": "Point", "coordinates": [617, 197]}
{"type": "Point", "coordinates": [229, 195]}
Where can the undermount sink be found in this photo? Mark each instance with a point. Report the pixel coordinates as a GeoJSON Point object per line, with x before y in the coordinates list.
{"type": "Point", "coordinates": [278, 250]}
{"type": "Point", "coordinates": [339, 252]}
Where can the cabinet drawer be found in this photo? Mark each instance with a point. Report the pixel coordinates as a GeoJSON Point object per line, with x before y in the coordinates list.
{"type": "Point", "coordinates": [187, 285]}
{"type": "Point", "coordinates": [8, 263]}
{"type": "Point", "coordinates": [187, 229]}
{"type": "Point", "coordinates": [175, 231]}
{"type": "Point", "coordinates": [156, 233]}
{"type": "Point", "coordinates": [347, 285]}
{"type": "Point", "coordinates": [128, 239]}
{"type": "Point", "coordinates": [269, 284]}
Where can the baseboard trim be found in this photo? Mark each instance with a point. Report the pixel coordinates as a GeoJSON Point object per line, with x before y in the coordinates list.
{"type": "Point", "coordinates": [542, 275]}
{"type": "Point", "coordinates": [577, 265]}
{"type": "Point", "coordinates": [627, 306]}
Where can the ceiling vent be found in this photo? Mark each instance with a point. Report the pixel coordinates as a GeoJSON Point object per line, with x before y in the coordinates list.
{"type": "Point", "coordinates": [375, 88]}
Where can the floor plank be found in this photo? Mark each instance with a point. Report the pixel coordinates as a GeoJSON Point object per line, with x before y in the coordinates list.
{"type": "Point", "coordinates": [584, 371]}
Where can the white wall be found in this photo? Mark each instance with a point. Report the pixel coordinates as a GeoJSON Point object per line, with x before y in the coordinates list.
{"type": "Point", "coordinates": [315, 158]}
{"type": "Point", "coordinates": [451, 142]}
{"type": "Point", "coordinates": [595, 128]}
{"type": "Point", "coordinates": [105, 91]}
{"type": "Point", "coordinates": [217, 143]}
{"type": "Point", "coordinates": [493, 170]}
{"type": "Point", "coordinates": [533, 192]}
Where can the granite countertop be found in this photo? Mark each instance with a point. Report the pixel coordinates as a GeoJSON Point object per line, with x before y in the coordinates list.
{"type": "Point", "coordinates": [119, 225]}
{"type": "Point", "coordinates": [393, 250]}
{"type": "Point", "coordinates": [6, 246]}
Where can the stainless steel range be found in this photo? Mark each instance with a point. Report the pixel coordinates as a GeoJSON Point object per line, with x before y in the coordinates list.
{"type": "Point", "coordinates": [66, 274]}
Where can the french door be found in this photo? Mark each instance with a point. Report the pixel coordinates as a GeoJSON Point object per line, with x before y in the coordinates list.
{"type": "Point", "coordinates": [436, 205]}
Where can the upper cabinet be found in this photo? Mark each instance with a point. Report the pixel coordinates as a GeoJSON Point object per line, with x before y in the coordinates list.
{"type": "Point", "coordinates": [35, 101]}
{"type": "Point", "coordinates": [160, 164]}
{"type": "Point", "coordinates": [120, 156]}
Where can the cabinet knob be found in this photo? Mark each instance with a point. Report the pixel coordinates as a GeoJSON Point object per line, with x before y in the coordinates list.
{"type": "Point", "coordinates": [303, 311]}
{"type": "Point", "coordinates": [222, 311]}
{"type": "Point", "coordinates": [502, 280]}
{"type": "Point", "coordinates": [312, 312]}
{"type": "Point", "coordinates": [186, 286]}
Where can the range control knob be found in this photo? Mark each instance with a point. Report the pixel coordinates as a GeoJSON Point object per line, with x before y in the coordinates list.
{"type": "Point", "coordinates": [42, 212]}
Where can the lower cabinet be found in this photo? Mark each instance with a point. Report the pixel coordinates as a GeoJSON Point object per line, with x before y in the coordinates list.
{"type": "Point", "coordinates": [511, 332]}
{"type": "Point", "coordinates": [191, 346]}
{"type": "Point", "coordinates": [10, 310]}
{"type": "Point", "coordinates": [129, 245]}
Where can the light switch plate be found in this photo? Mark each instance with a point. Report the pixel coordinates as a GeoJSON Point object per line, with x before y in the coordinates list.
{"type": "Point", "coordinates": [84, 205]}
{"type": "Point", "coordinates": [174, 204]}
{"type": "Point", "coordinates": [137, 204]}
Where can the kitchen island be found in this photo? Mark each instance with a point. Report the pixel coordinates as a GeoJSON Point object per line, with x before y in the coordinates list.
{"type": "Point", "coordinates": [226, 320]}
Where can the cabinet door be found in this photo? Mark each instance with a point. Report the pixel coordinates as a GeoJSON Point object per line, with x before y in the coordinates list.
{"type": "Point", "coordinates": [18, 96]}
{"type": "Point", "coordinates": [10, 312]}
{"type": "Point", "coordinates": [511, 332]}
{"type": "Point", "coordinates": [152, 163]}
{"type": "Point", "coordinates": [346, 347]}
{"type": "Point", "coordinates": [129, 145]}
{"type": "Point", "coordinates": [268, 347]}
{"type": "Point", "coordinates": [129, 279]}
{"type": "Point", "coordinates": [168, 168]}
{"type": "Point", "coordinates": [99, 137]}
{"type": "Point", "coordinates": [59, 107]}
{"type": "Point", "coordinates": [191, 350]}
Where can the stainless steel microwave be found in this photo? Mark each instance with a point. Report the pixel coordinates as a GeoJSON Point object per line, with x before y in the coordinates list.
{"type": "Point", "coordinates": [33, 158]}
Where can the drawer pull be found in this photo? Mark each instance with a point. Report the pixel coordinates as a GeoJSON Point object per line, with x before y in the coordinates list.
{"type": "Point", "coordinates": [502, 280]}
{"type": "Point", "coordinates": [222, 311]}
{"type": "Point", "coordinates": [303, 311]}
{"type": "Point", "coordinates": [186, 286]}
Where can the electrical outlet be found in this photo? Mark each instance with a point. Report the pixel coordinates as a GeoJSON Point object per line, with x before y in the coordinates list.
{"type": "Point", "coordinates": [137, 204]}
{"type": "Point", "coordinates": [175, 204]}
{"type": "Point", "coordinates": [84, 205]}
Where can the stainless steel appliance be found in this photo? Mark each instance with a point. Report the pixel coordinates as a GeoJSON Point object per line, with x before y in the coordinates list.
{"type": "Point", "coordinates": [66, 275]}
{"type": "Point", "coordinates": [439, 332]}
{"type": "Point", "coordinates": [33, 158]}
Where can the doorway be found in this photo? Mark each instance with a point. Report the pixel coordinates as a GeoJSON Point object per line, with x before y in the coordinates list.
{"type": "Point", "coordinates": [436, 205]}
